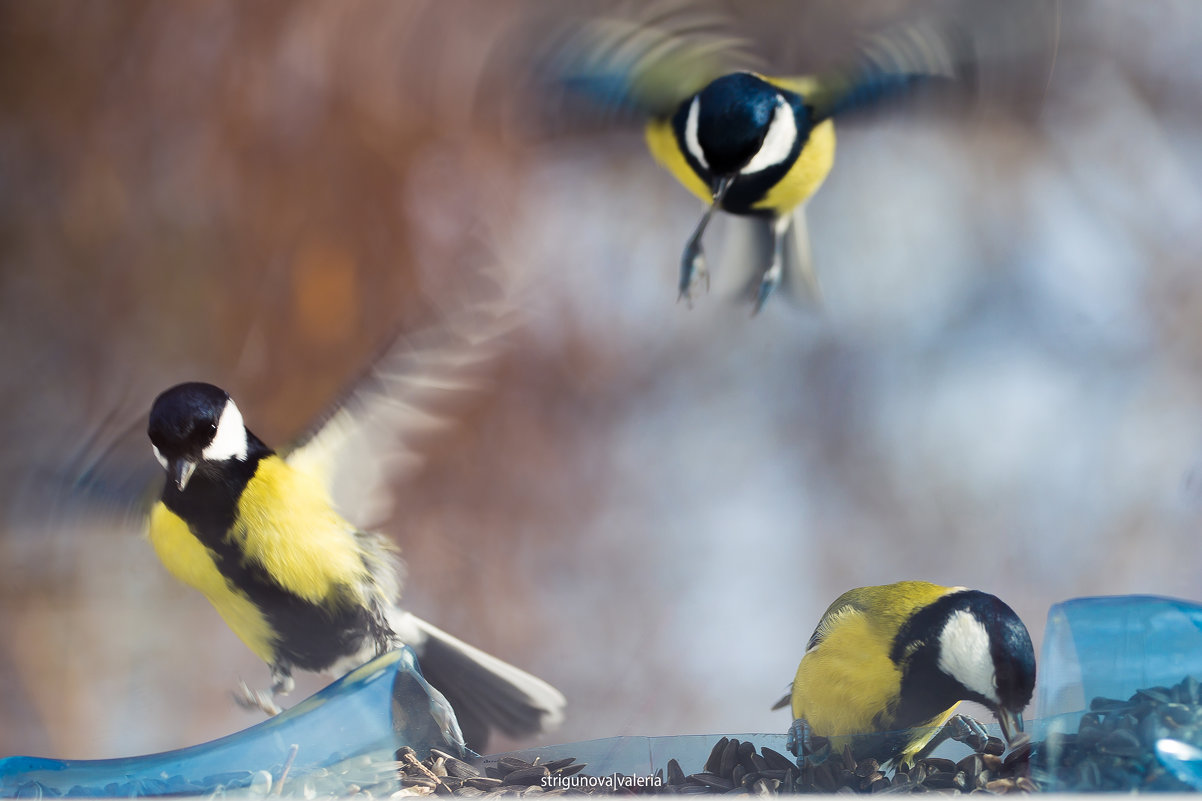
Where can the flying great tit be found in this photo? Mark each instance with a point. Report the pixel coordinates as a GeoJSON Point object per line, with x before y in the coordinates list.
{"type": "Point", "coordinates": [895, 661]}
{"type": "Point", "coordinates": [256, 532]}
{"type": "Point", "coordinates": [755, 145]}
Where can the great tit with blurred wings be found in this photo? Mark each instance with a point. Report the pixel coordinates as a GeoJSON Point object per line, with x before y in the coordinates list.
{"type": "Point", "coordinates": [892, 663]}
{"type": "Point", "coordinates": [256, 531]}
{"type": "Point", "coordinates": [751, 144]}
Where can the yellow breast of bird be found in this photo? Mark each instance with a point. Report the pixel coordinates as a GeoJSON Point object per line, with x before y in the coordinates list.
{"type": "Point", "coordinates": [847, 679]}
{"type": "Point", "coordinates": [807, 173]}
{"type": "Point", "coordinates": [286, 528]}
{"type": "Point", "coordinates": [661, 141]}
{"type": "Point", "coordinates": [190, 562]}
{"type": "Point", "coordinates": [286, 523]}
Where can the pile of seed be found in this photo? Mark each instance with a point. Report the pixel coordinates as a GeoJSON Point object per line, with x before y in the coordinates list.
{"type": "Point", "coordinates": [444, 774]}
{"type": "Point", "coordinates": [1114, 748]}
{"type": "Point", "coordinates": [735, 766]}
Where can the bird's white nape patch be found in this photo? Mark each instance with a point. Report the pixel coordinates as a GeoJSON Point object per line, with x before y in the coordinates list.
{"type": "Point", "coordinates": [778, 142]}
{"type": "Point", "coordinates": [691, 142]}
{"type": "Point", "coordinates": [229, 440]}
{"type": "Point", "coordinates": [158, 455]}
{"type": "Point", "coordinates": [964, 654]}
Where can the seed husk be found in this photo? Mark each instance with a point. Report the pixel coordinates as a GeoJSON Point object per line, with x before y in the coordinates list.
{"type": "Point", "coordinates": [712, 780]}
{"type": "Point", "coordinates": [535, 774]}
{"type": "Point", "coordinates": [776, 760]}
{"type": "Point", "coordinates": [730, 756]}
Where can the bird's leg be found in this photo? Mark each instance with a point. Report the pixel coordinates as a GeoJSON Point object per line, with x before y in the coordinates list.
{"type": "Point", "coordinates": [281, 684]}
{"type": "Point", "coordinates": [692, 262]}
{"type": "Point", "coordinates": [262, 700]}
{"type": "Point", "coordinates": [960, 728]}
{"type": "Point", "coordinates": [770, 279]}
{"type": "Point", "coordinates": [805, 745]}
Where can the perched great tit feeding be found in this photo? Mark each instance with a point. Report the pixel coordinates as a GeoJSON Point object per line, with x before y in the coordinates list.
{"type": "Point", "coordinates": [751, 144]}
{"type": "Point", "coordinates": [896, 660]}
{"type": "Point", "coordinates": [256, 532]}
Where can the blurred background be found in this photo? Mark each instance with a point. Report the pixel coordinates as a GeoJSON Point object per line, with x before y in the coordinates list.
{"type": "Point", "coordinates": [649, 506]}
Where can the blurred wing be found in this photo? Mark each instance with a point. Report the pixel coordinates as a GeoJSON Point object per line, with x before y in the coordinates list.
{"type": "Point", "coordinates": [643, 66]}
{"type": "Point", "coordinates": [367, 439]}
{"type": "Point", "coordinates": [96, 468]}
{"type": "Point", "coordinates": [986, 52]}
{"type": "Point", "coordinates": [889, 64]}
{"type": "Point", "coordinates": [363, 440]}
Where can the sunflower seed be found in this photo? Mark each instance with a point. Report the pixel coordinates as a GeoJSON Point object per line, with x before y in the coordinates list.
{"type": "Point", "coordinates": [711, 780]}
{"type": "Point", "coordinates": [535, 774]}
{"type": "Point", "coordinates": [558, 764]}
{"type": "Point", "coordinates": [714, 763]}
{"type": "Point", "coordinates": [730, 756]}
{"type": "Point", "coordinates": [508, 765]}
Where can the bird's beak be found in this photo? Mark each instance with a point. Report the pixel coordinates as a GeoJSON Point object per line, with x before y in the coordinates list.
{"type": "Point", "coordinates": [720, 188]}
{"type": "Point", "coordinates": [1012, 723]}
{"type": "Point", "coordinates": [180, 470]}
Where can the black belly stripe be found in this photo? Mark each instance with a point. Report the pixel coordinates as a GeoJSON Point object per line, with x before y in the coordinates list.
{"type": "Point", "coordinates": [307, 636]}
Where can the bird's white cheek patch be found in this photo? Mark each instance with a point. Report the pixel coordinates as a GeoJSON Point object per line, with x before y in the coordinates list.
{"type": "Point", "coordinates": [229, 442]}
{"type": "Point", "coordinates": [158, 455]}
{"type": "Point", "coordinates": [778, 142]}
{"type": "Point", "coordinates": [965, 656]}
{"type": "Point", "coordinates": [691, 142]}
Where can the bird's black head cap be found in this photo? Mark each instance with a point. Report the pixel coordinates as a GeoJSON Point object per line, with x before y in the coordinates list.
{"type": "Point", "coordinates": [733, 116]}
{"type": "Point", "coordinates": [183, 419]}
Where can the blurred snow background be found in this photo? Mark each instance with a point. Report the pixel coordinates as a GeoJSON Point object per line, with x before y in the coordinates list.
{"type": "Point", "coordinates": [650, 506]}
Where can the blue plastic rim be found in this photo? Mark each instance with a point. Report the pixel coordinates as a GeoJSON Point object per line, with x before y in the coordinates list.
{"type": "Point", "coordinates": [1093, 647]}
{"type": "Point", "coordinates": [375, 708]}
{"type": "Point", "coordinates": [1111, 646]}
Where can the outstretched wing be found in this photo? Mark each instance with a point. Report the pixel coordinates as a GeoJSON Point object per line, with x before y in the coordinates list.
{"type": "Point", "coordinates": [370, 436]}
{"type": "Point", "coordinates": [638, 66]}
{"type": "Point", "coordinates": [982, 53]}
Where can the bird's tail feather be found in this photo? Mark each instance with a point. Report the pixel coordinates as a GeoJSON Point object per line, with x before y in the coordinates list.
{"type": "Point", "coordinates": [486, 692]}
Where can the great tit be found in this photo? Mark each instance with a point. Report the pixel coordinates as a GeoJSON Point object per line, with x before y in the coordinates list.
{"type": "Point", "coordinates": [893, 662]}
{"type": "Point", "coordinates": [257, 533]}
{"type": "Point", "coordinates": [747, 143]}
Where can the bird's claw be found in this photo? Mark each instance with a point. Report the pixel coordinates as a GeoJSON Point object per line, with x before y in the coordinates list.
{"type": "Point", "coordinates": [964, 729]}
{"type": "Point", "coordinates": [805, 745]}
{"type": "Point", "coordinates": [960, 728]}
{"type": "Point", "coordinates": [262, 700]}
{"type": "Point", "coordinates": [768, 284]}
{"type": "Point", "coordinates": [692, 271]}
